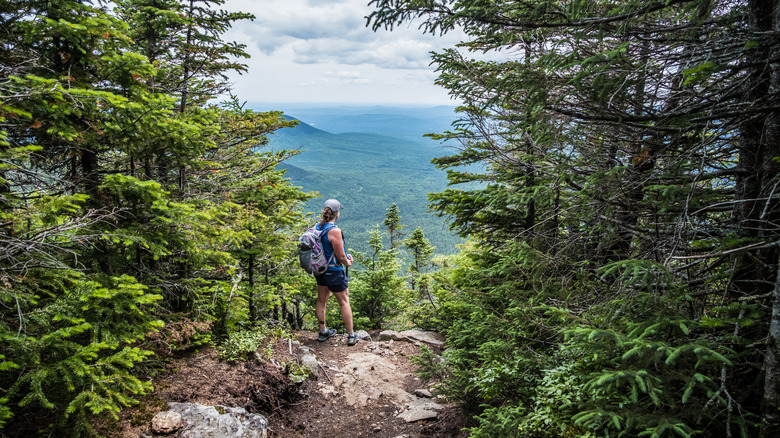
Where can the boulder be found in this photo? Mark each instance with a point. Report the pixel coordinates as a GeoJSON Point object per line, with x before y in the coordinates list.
{"type": "Point", "coordinates": [419, 409]}
{"type": "Point", "coordinates": [388, 335]}
{"type": "Point", "coordinates": [310, 361]}
{"type": "Point", "coordinates": [200, 421]}
{"type": "Point", "coordinates": [363, 335]}
{"type": "Point", "coordinates": [431, 338]}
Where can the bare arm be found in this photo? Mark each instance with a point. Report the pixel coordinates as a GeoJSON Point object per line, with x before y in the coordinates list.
{"type": "Point", "coordinates": [336, 239]}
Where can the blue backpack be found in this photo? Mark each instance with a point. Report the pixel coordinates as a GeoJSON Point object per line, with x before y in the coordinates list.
{"type": "Point", "coordinates": [311, 253]}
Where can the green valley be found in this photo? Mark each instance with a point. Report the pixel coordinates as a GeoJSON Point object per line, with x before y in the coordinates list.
{"type": "Point", "coordinates": [369, 171]}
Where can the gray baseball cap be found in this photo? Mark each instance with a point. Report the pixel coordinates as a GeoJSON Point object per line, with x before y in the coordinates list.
{"type": "Point", "coordinates": [333, 204]}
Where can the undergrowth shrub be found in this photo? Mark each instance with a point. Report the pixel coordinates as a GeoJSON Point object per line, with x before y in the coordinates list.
{"type": "Point", "coordinates": [241, 345]}
{"type": "Point", "coordinates": [181, 335]}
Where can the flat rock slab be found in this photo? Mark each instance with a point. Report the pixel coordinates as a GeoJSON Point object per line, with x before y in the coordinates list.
{"type": "Point", "coordinates": [431, 338]}
{"type": "Point", "coordinates": [423, 393]}
{"type": "Point", "coordinates": [367, 377]}
{"type": "Point", "coordinates": [419, 409]}
{"type": "Point", "coordinates": [200, 421]}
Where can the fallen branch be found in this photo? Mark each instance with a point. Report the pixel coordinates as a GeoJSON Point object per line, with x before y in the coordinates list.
{"type": "Point", "coordinates": [325, 372]}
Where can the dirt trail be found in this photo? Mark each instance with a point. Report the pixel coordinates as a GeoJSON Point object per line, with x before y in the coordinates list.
{"type": "Point", "coordinates": [367, 390]}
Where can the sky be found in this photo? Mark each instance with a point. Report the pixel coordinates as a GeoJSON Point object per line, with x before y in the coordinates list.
{"type": "Point", "coordinates": [320, 51]}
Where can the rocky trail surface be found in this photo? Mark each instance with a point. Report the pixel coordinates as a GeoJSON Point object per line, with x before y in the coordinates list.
{"type": "Point", "coordinates": [367, 390]}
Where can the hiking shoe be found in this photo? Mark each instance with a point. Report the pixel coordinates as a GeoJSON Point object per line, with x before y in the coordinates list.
{"type": "Point", "coordinates": [352, 339]}
{"type": "Point", "coordinates": [327, 335]}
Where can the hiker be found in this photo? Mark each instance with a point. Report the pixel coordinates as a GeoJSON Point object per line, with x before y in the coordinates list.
{"type": "Point", "coordinates": [335, 278]}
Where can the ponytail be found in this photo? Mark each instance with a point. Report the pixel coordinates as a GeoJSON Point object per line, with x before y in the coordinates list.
{"type": "Point", "coordinates": [327, 216]}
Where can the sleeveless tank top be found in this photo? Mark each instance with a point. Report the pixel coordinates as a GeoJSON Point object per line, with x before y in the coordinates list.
{"type": "Point", "coordinates": [327, 246]}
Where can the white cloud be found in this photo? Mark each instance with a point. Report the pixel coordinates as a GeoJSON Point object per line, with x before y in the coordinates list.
{"type": "Point", "coordinates": [338, 78]}
{"type": "Point", "coordinates": [305, 48]}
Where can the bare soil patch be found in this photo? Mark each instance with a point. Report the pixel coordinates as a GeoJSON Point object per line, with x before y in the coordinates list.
{"type": "Point", "coordinates": [359, 391]}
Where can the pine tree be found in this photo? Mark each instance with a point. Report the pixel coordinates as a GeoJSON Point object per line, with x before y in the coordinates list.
{"type": "Point", "coordinates": [102, 235]}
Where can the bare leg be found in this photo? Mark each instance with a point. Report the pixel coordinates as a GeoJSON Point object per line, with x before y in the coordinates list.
{"type": "Point", "coordinates": [346, 310]}
{"type": "Point", "coordinates": [323, 293]}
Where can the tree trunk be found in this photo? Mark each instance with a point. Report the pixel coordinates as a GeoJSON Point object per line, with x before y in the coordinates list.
{"type": "Point", "coordinates": [754, 210]}
{"type": "Point", "coordinates": [89, 169]}
{"type": "Point", "coordinates": [298, 315]}
{"type": "Point", "coordinates": [759, 214]}
{"type": "Point", "coordinates": [251, 294]}
{"type": "Point", "coordinates": [770, 423]}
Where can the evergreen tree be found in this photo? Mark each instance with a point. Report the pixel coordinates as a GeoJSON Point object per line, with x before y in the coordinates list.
{"type": "Point", "coordinates": [421, 251]}
{"type": "Point", "coordinates": [393, 223]}
{"type": "Point", "coordinates": [71, 325]}
{"type": "Point", "coordinates": [119, 210]}
{"type": "Point", "coordinates": [630, 185]}
{"type": "Point", "coordinates": [377, 290]}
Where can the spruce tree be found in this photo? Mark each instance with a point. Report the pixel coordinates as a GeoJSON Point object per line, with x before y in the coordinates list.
{"type": "Point", "coordinates": [393, 223]}
{"type": "Point", "coordinates": [377, 289]}
{"type": "Point", "coordinates": [421, 251]}
{"type": "Point", "coordinates": [102, 236]}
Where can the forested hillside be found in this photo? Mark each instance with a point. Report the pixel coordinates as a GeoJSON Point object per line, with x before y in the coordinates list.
{"type": "Point", "coordinates": [368, 172]}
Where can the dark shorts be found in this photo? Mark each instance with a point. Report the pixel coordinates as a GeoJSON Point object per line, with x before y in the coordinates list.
{"type": "Point", "coordinates": [335, 280]}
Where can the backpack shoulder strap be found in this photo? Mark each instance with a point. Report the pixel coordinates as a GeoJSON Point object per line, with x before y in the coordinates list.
{"type": "Point", "coordinates": [329, 226]}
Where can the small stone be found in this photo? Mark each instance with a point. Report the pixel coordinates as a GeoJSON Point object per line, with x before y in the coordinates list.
{"type": "Point", "coordinates": [329, 390]}
{"type": "Point", "coordinates": [419, 409]}
{"type": "Point", "coordinates": [166, 422]}
{"type": "Point", "coordinates": [310, 361]}
{"type": "Point", "coordinates": [363, 335]}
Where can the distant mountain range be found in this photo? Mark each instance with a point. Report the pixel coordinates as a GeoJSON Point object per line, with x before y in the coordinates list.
{"type": "Point", "coordinates": [370, 158]}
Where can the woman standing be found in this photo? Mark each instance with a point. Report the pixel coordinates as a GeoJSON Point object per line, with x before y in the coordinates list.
{"type": "Point", "coordinates": [334, 280]}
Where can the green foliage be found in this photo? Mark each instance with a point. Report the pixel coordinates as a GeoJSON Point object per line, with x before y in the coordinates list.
{"type": "Point", "coordinates": [429, 366]}
{"type": "Point", "coordinates": [421, 251]}
{"type": "Point", "coordinates": [393, 224]}
{"type": "Point", "coordinates": [377, 290]}
{"type": "Point", "coordinates": [126, 200]}
{"type": "Point", "coordinates": [241, 345]}
{"type": "Point", "coordinates": [297, 372]}
{"type": "Point", "coordinates": [76, 350]}
{"type": "Point", "coordinates": [625, 231]}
